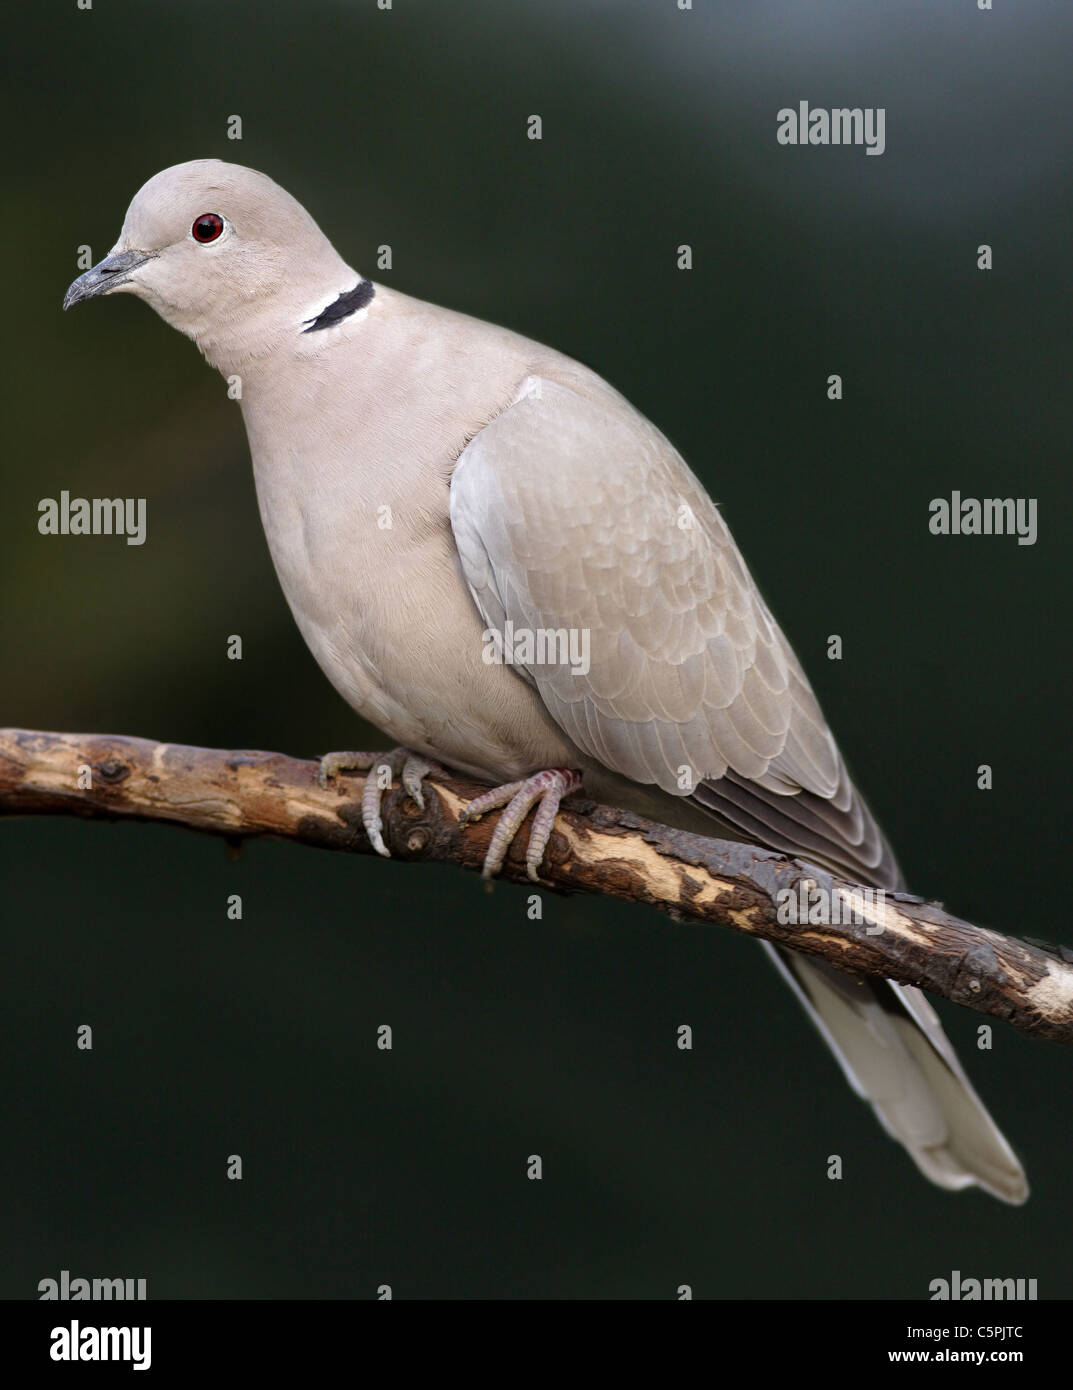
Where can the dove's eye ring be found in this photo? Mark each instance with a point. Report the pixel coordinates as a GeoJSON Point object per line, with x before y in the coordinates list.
{"type": "Point", "coordinates": [207, 227]}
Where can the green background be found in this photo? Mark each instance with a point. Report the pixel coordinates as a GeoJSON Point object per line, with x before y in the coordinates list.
{"type": "Point", "coordinates": [515, 1037]}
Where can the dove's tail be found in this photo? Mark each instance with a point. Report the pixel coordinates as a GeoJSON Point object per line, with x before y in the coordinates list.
{"type": "Point", "coordinates": [892, 1048]}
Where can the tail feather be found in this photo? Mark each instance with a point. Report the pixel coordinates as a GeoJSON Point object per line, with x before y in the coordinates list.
{"type": "Point", "coordinates": [892, 1048]}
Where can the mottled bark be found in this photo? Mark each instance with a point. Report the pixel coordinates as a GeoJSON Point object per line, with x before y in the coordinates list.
{"type": "Point", "coordinates": [593, 849]}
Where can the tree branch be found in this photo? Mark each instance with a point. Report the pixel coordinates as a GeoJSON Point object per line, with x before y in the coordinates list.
{"type": "Point", "coordinates": [594, 849]}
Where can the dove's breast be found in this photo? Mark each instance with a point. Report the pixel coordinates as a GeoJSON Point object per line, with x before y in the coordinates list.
{"type": "Point", "coordinates": [360, 536]}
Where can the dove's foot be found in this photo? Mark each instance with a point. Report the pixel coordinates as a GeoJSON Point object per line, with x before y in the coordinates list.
{"type": "Point", "coordinates": [548, 788]}
{"type": "Point", "coordinates": [381, 769]}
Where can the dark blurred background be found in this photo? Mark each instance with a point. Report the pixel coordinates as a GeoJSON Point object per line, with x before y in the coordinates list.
{"type": "Point", "coordinates": [556, 1037]}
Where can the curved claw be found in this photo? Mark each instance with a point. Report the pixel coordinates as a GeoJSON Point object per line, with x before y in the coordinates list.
{"type": "Point", "coordinates": [332, 764]}
{"type": "Point", "coordinates": [413, 770]}
{"type": "Point", "coordinates": [488, 801]}
{"type": "Point", "coordinates": [548, 788]}
{"type": "Point", "coordinates": [372, 793]}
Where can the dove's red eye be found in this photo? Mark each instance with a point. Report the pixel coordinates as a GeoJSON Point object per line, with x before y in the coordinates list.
{"type": "Point", "coordinates": [207, 227]}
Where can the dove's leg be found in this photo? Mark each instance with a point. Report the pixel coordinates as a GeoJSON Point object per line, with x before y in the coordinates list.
{"type": "Point", "coordinates": [381, 769]}
{"type": "Point", "coordinates": [548, 788]}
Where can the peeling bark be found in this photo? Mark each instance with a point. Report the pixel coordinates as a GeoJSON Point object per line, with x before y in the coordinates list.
{"type": "Point", "coordinates": [593, 849]}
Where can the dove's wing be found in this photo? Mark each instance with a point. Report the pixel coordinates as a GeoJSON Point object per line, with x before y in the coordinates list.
{"type": "Point", "coordinates": [574, 513]}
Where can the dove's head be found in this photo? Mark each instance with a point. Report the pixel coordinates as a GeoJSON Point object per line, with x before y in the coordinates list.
{"type": "Point", "coordinates": [223, 254]}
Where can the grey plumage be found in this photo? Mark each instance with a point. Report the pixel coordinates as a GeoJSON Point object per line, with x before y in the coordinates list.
{"type": "Point", "coordinates": [423, 477]}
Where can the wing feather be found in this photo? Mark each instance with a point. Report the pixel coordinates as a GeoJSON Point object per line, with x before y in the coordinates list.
{"type": "Point", "coordinates": [571, 511]}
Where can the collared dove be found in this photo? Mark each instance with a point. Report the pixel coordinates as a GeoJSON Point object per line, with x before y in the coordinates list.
{"type": "Point", "coordinates": [441, 496]}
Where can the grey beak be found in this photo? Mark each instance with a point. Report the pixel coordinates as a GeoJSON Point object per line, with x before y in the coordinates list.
{"type": "Point", "coordinates": [105, 275]}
